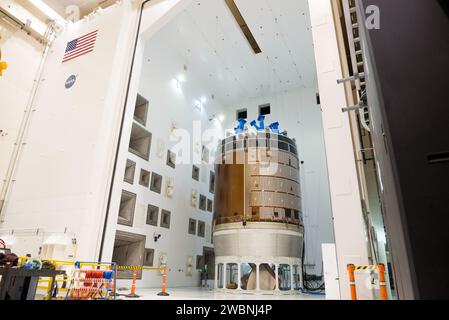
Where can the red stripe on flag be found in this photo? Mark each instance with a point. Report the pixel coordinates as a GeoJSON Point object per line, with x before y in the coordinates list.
{"type": "Point", "coordinates": [87, 39]}
{"type": "Point", "coordinates": [80, 53]}
{"type": "Point", "coordinates": [68, 54]}
{"type": "Point", "coordinates": [68, 59]}
{"type": "Point", "coordinates": [89, 34]}
{"type": "Point", "coordinates": [84, 45]}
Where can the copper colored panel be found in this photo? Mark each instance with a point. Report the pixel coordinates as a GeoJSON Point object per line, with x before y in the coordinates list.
{"type": "Point", "coordinates": [229, 193]}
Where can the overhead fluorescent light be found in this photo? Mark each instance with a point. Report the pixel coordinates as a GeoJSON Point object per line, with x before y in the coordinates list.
{"type": "Point", "coordinates": [242, 23]}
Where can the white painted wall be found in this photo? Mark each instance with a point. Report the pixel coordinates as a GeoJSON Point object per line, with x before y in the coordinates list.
{"type": "Point", "coordinates": [298, 113]}
{"type": "Point", "coordinates": [351, 240]}
{"type": "Point", "coordinates": [156, 65]}
{"type": "Point", "coordinates": [62, 181]}
{"type": "Point", "coordinates": [170, 105]}
{"type": "Point", "coordinates": [331, 271]}
{"type": "Point", "coordinates": [63, 176]}
{"type": "Point", "coordinates": [23, 55]}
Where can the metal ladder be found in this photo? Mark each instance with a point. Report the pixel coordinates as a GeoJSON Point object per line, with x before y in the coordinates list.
{"type": "Point", "coordinates": [357, 59]}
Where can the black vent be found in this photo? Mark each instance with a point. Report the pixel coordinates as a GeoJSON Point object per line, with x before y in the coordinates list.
{"type": "Point", "coordinates": [265, 110]}
{"type": "Point", "coordinates": [242, 114]}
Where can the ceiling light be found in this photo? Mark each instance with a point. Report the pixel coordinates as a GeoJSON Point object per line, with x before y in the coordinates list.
{"type": "Point", "coordinates": [221, 117]}
{"type": "Point", "coordinates": [181, 78]}
{"type": "Point", "coordinates": [176, 83]}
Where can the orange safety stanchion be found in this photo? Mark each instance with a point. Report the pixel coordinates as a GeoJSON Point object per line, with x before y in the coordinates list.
{"type": "Point", "coordinates": [351, 270]}
{"type": "Point", "coordinates": [164, 283]}
{"type": "Point", "coordinates": [382, 282]}
{"type": "Point", "coordinates": [133, 286]}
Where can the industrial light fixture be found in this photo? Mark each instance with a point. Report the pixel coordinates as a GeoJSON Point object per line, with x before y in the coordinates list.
{"type": "Point", "coordinates": [176, 83]}
{"type": "Point", "coordinates": [48, 11]}
{"type": "Point", "coordinates": [181, 78]}
{"type": "Point", "coordinates": [178, 80]}
{"type": "Point", "coordinates": [197, 105]}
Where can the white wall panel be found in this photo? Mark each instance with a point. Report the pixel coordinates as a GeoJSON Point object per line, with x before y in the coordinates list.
{"type": "Point", "coordinates": [156, 65]}
{"type": "Point", "coordinates": [23, 55]}
{"type": "Point", "coordinates": [63, 176]}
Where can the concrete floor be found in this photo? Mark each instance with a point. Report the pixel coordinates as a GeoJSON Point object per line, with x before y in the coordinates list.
{"type": "Point", "coordinates": [207, 294]}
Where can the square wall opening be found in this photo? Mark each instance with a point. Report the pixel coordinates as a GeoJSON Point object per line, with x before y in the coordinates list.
{"type": "Point", "coordinates": [129, 250]}
{"type": "Point", "coordinates": [212, 182]}
{"type": "Point", "coordinates": [210, 205]}
{"type": "Point", "coordinates": [127, 208]}
{"type": "Point", "coordinates": [165, 219]}
{"type": "Point", "coordinates": [152, 215]}
{"type": "Point", "coordinates": [141, 110]}
{"type": "Point", "coordinates": [196, 173]}
{"type": "Point", "coordinates": [140, 142]}
{"type": "Point", "coordinates": [203, 202]}
{"type": "Point", "coordinates": [130, 171]}
{"type": "Point", "coordinates": [265, 109]}
{"type": "Point", "coordinates": [192, 227]}
{"type": "Point", "coordinates": [171, 159]}
{"type": "Point", "coordinates": [148, 260]}
{"type": "Point", "coordinates": [201, 229]}
{"type": "Point", "coordinates": [144, 179]}
{"type": "Point", "coordinates": [242, 114]}
{"type": "Point", "coordinates": [156, 183]}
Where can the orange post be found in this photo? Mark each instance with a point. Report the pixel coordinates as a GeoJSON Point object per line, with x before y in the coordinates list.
{"type": "Point", "coordinates": [382, 282]}
{"type": "Point", "coordinates": [351, 270]}
{"type": "Point", "coordinates": [133, 286]}
{"type": "Point", "coordinates": [164, 283]}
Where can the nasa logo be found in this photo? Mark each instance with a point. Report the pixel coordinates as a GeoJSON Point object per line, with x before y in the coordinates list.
{"type": "Point", "coordinates": [70, 82]}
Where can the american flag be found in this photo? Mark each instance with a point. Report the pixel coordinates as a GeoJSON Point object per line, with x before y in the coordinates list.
{"type": "Point", "coordinates": [80, 46]}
